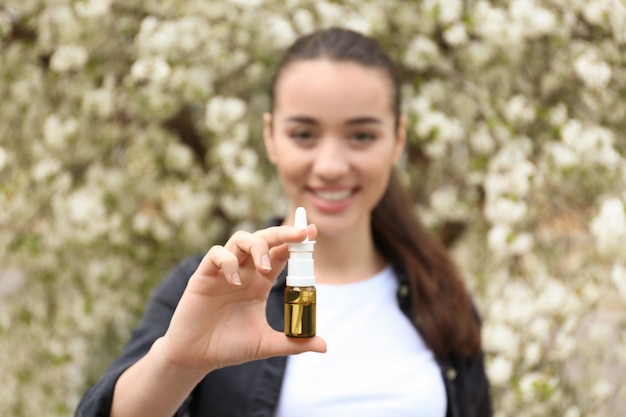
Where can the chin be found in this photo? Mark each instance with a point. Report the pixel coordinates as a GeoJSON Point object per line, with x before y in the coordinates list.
{"type": "Point", "coordinates": [336, 225]}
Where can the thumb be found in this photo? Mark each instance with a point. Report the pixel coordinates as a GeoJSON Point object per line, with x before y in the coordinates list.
{"type": "Point", "coordinates": [281, 345]}
{"type": "Point", "coordinates": [308, 344]}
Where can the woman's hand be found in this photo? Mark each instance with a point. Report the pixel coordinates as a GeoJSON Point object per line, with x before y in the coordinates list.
{"type": "Point", "coordinates": [220, 319]}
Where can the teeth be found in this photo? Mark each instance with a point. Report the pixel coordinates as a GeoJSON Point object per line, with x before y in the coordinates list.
{"type": "Point", "coordinates": [333, 195]}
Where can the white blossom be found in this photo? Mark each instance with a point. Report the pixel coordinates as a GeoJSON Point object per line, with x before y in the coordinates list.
{"type": "Point", "coordinates": [153, 69]}
{"type": "Point", "coordinates": [329, 12]}
{"type": "Point", "coordinates": [421, 53]}
{"type": "Point", "coordinates": [179, 156]}
{"type": "Point", "coordinates": [281, 32]}
{"type": "Point", "coordinates": [540, 328]}
{"type": "Point", "coordinates": [160, 229]}
{"type": "Point", "coordinates": [592, 71]}
{"type": "Point", "coordinates": [498, 238]}
{"type": "Point", "coordinates": [535, 20]}
{"type": "Point", "coordinates": [558, 114]}
{"type": "Point", "coordinates": [532, 354]}
{"type": "Point", "coordinates": [237, 206]}
{"type": "Point", "coordinates": [512, 184]}
{"type": "Point", "coordinates": [92, 8]}
{"type": "Point", "coordinates": [182, 203]}
{"type": "Point", "coordinates": [68, 57]}
{"type": "Point", "coordinates": [11, 281]}
{"type": "Point", "coordinates": [245, 178]}
{"type": "Point", "coordinates": [596, 12]}
{"type": "Point", "coordinates": [436, 149]}
{"type": "Point", "coordinates": [456, 34]}
{"type": "Point", "coordinates": [448, 11]}
{"type": "Point", "coordinates": [100, 101]}
{"type": "Point", "coordinates": [563, 156]}
{"type": "Point", "coordinates": [446, 201]}
{"type": "Point", "coordinates": [572, 412]}
{"type": "Point", "coordinates": [555, 295]}
{"type": "Point", "coordinates": [194, 82]}
{"type": "Point", "coordinates": [45, 168]}
{"type": "Point", "coordinates": [521, 244]}
{"type": "Point", "coordinates": [57, 131]}
{"type": "Point", "coordinates": [519, 110]}
{"type": "Point", "coordinates": [506, 211]}
{"type": "Point", "coordinates": [373, 19]}
{"type": "Point", "coordinates": [85, 206]}
{"type": "Point", "coordinates": [141, 222]}
{"type": "Point", "coordinates": [304, 20]}
{"type": "Point", "coordinates": [514, 152]}
{"type": "Point", "coordinates": [494, 25]}
{"type": "Point", "coordinates": [609, 226]}
{"type": "Point", "coordinates": [441, 126]}
{"type": "Point", "coordinates": [617, 17]}
{"type": "Point", "coordinates": [618, 276]}
{"type": "Point", "coordinates": [481, 141]}
{"type": "Point", "coordinates": [543, 21]}
{"type": "Point", "coordinates": [222, 112]}
{"type": "Point", "coordinates": [479, 54]}
{"type": "Point", "coordinates": [601, 390]}
{"type": "Point", "coordinates": [247, 3]}
{"type": "Point", "coordinates": [249, 158]}
{"type": "Point", "coordinates": [500, 371]}
{"type": "Point", "coordinates": [530, 383]}
{"type": "Point", "coordinates": [5, 24]}
{"type": "Point", "coordinates": [502, 239]}
{"type": "Point", "coordinates": [593, 144]}
{"type": "Point", "coordinates": [502, 339]}
{"type": "Point", "coordinates": [4, 158]}
{"type": "Point", "coordinates": [564, 345]}
{"type": "Point", "coordinates": [228, 150]}
{"type": "Point", "coordinates": [58, 25]}
{"type": "Point", "coordinates": [170, 38]}
{"type": "Point", "coordinates": [590, 293]}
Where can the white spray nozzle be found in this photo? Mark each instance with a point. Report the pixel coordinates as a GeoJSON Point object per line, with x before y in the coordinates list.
{"type": "Point", "coordinates": [300, 221]}
{"type": "Point", "coordinates": [300, 265]}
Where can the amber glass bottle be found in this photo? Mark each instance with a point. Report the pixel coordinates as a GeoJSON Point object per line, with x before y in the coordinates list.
{"type": "Point", "coordinates": [300, 293]}
{"type": "Point", "coordinates": [300, 311]}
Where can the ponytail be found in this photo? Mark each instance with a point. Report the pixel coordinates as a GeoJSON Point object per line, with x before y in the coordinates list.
{"type": "Point", "coordinates": [441, 307]}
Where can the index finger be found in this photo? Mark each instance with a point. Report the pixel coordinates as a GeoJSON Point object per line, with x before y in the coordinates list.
{"type": "Point", "coordinates": [259, 245]}
{"type": "Point", "coordinates": [277, 235]}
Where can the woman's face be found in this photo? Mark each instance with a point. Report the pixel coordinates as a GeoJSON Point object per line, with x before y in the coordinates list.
{"type": "Point", "coordinates": [333, 140]}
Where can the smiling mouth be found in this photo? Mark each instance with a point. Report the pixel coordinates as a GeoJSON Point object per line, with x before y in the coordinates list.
{"type": "Point", "coordinates": [333, 195]}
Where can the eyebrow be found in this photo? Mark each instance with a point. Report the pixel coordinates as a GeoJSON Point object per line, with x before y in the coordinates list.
{"type": "Point", "coordinates": [364, 120]}
{"type": "Point", "coordinates": [354, 121]}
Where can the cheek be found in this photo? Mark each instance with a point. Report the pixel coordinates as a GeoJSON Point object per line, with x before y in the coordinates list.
{"type": "Point", "coordinates": [289, 165]}
{"type": "Point", "coordinates": [382, 179]}
{"type": "Point", "coordinates": [376, 172]}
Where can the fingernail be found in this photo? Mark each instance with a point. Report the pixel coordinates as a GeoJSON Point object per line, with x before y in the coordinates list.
{"type": "Point", "coordinates": [236, 278]}
{"type": "Point", "coordinates": [266, 263]}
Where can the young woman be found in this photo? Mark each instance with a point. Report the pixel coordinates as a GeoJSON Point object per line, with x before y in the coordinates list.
{"type": "Point", "coordinates": [398, 334]}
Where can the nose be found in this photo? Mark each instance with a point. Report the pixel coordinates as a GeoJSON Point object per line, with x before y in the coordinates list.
{"type": "Point", "coordinates": [331, 160]}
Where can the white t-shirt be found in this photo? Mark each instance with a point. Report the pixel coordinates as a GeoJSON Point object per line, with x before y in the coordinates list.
{"type": "Point", "coordinates": [377, 363]}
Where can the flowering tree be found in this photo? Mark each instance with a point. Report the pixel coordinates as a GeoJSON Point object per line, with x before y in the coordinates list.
{"type": "Point", "coordinates": [130, 137]}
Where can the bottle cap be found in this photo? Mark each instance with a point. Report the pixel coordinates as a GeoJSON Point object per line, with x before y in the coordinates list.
{"type": "Point", "coordinates": [300, 267]}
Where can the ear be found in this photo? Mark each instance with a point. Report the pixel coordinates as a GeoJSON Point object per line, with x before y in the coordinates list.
{"type": "Point", "coordinates": [268, 137]}
{"type": "Point", "coordinates": [400, 139]}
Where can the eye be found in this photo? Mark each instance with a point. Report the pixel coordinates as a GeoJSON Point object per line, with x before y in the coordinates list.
{"type": "Point", "coordinates": [301, 135]}
{"type": "Point", "coordinates": [363, 137]}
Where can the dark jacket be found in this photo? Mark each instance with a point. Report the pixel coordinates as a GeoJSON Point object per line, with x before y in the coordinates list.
{"type": "Point", "coordinates": [252, 389]}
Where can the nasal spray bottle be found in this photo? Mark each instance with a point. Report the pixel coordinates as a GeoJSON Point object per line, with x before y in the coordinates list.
{"type": "Point", "coordinates": [300, 294]}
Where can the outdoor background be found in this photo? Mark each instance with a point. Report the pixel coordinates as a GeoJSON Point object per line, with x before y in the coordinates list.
{"type": "Point", "coordinates": [130, 138]}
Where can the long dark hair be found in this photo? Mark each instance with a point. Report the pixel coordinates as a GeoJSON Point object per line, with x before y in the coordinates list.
{"type": "Point", "coordinates": [442, 309]}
